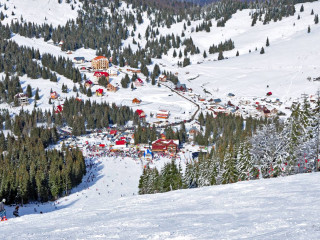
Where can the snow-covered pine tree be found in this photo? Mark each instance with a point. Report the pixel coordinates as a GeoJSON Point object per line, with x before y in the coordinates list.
{"type": "Point", "coordinates": [207, 171]}
{"type": "Point", "coordinates": [268, 150]}
{"type": "Point", "coordinates": [229, 172]}
{"type": "Point", "coordinates": [244, 162]}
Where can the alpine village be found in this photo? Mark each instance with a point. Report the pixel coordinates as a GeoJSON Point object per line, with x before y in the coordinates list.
{"type": "Point", "coordinates": [159, 119]}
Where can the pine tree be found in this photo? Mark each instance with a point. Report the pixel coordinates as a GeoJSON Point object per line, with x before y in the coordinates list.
{"type": "Point", "coordinates": [230, 173]}
{"type": "Point", "coordinates": [37, 97]}
{"type": "Point", "coordinates": [316, 19]}
{"type": "Point", "coordinates": [29, 91]}
{"type": "Point", "coordinates": [267, 42]}
{"type": "Point", "coordinates": [309, 29]}
{"type": "Point", "coordinates": [174, 53]}
{"type": "Point", "coordinates": [244, 162]}
{"type": "Point", "coordinates": [220, 56]}
{"type": "Point", "coordinates": [301, 8]}
{"type": "Point", "coordinates": [262, 51]}
{"type": "Point", "coordinates": [204, 54]}
{"type": "Point", "coordinates": [186, 62]}
{"type": "Point", "coordinates": [89, 92]}
{"type": "Point", "coordinates": [237, 54]}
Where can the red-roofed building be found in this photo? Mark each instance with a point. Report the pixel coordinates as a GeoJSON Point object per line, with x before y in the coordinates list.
{"type": "Point", "coordinates": [58, 109]}
{"type": "Point", "coordinates": [138, 82]}
{"type": "Point", "coordinates": [162, 145]}
{"type": "Point", "coordinates": [141, 113]}
{"type": "Point", "coordinates": [98, 75]}
{"type": "Point", "coordinates": [121, 142]}
{"type": "Point", "coordinates": [99, 92]}
{"type": "Point", "coordinates": [88, 84]}
{"type": "Point", "coordinates": [113, 132]}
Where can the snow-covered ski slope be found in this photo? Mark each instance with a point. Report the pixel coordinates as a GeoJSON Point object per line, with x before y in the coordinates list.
{"type": "Point", "coordinates": [291, 58]}
{"type": "Point", "coordinates": [281, 208]}
{"type": "Point", "coordinates": [39, 11]}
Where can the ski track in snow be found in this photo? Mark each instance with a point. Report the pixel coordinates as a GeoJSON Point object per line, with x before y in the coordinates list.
{"type": "Point", "coordinates": [281, 208]}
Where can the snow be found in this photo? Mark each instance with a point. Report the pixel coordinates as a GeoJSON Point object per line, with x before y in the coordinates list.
{"type": "Point", "coordinates": [36, 11]}
{"type": "Point", "coordinates": [285, 66]}
{"type": "Point", "coordinates": [108, 207]}
{"type": "Point", "coordinates": [282, 208]}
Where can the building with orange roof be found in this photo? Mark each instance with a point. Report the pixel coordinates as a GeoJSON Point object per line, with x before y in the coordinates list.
{"type": "Point", "coordinates": [100, 62]}
{"type": "Point", "coordinates": [136, 101]}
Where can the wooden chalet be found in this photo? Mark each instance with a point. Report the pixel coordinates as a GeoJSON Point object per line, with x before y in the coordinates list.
{"type": "Point", "coordinates": [166, 146]}
{"type": "Point", "coordinates": [134, 70]}
{"type": "Point", "coordinates": [88, 84]}
{"type": "Point", "coordinates": [53, 95]}
{"type": "Point", "coordinates": [78, 60]}
{"type": "Point", "coordinates": [136, 101]}
{"type": "Point", "coordinates": [111, 88]}
{"type": "Point", "coordinates": [163, 114]}
{"type": "Point", "coordinates": [193, 131]}
{"type": "Point", "coordinates": [99, 92]}
{"type": "Point", "coordinates": [22, 98]}
{"type": "Point", "coordinates": [162, 78]}
{"type": "Point", "coordinates": [141, 113]}
{"type": "Point", "coordinates": [98, 75]}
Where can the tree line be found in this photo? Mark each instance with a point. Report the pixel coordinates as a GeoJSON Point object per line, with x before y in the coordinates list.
{"type": "Point", "coordinates": [266, 149]}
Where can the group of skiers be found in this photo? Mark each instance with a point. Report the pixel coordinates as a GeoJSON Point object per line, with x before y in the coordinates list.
{"type": "Point", "coordinates": [3, 212]}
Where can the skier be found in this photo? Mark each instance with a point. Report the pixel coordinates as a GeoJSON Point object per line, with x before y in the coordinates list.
{"type": "Point", "coordinates": [16, 212]}
{"type": "Point", "coordinates": [2, 211]}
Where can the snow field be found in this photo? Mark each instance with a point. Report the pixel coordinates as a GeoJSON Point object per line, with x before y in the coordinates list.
{"type": "Point", "coordinates": [281, 208]}
{"type": "Point", "coordinates": [39, 11]}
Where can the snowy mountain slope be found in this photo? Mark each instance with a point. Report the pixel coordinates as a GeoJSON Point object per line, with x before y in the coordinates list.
{"type": "Point", "coordinates": [282, 208]}
{"type": "Point", "coordinates": [284, 67]}
{"type": "Point", "coordinates": [105, 205]}
{"type": "Point", "coordinates": [39, 11]}
{"type": "Point", "coordinates": [287, 63]}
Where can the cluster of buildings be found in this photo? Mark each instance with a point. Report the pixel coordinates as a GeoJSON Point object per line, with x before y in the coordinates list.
{"type": "Point", "coordinates": [113, 140]}
{"type": "Point", "coordinates": [100, 66]}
